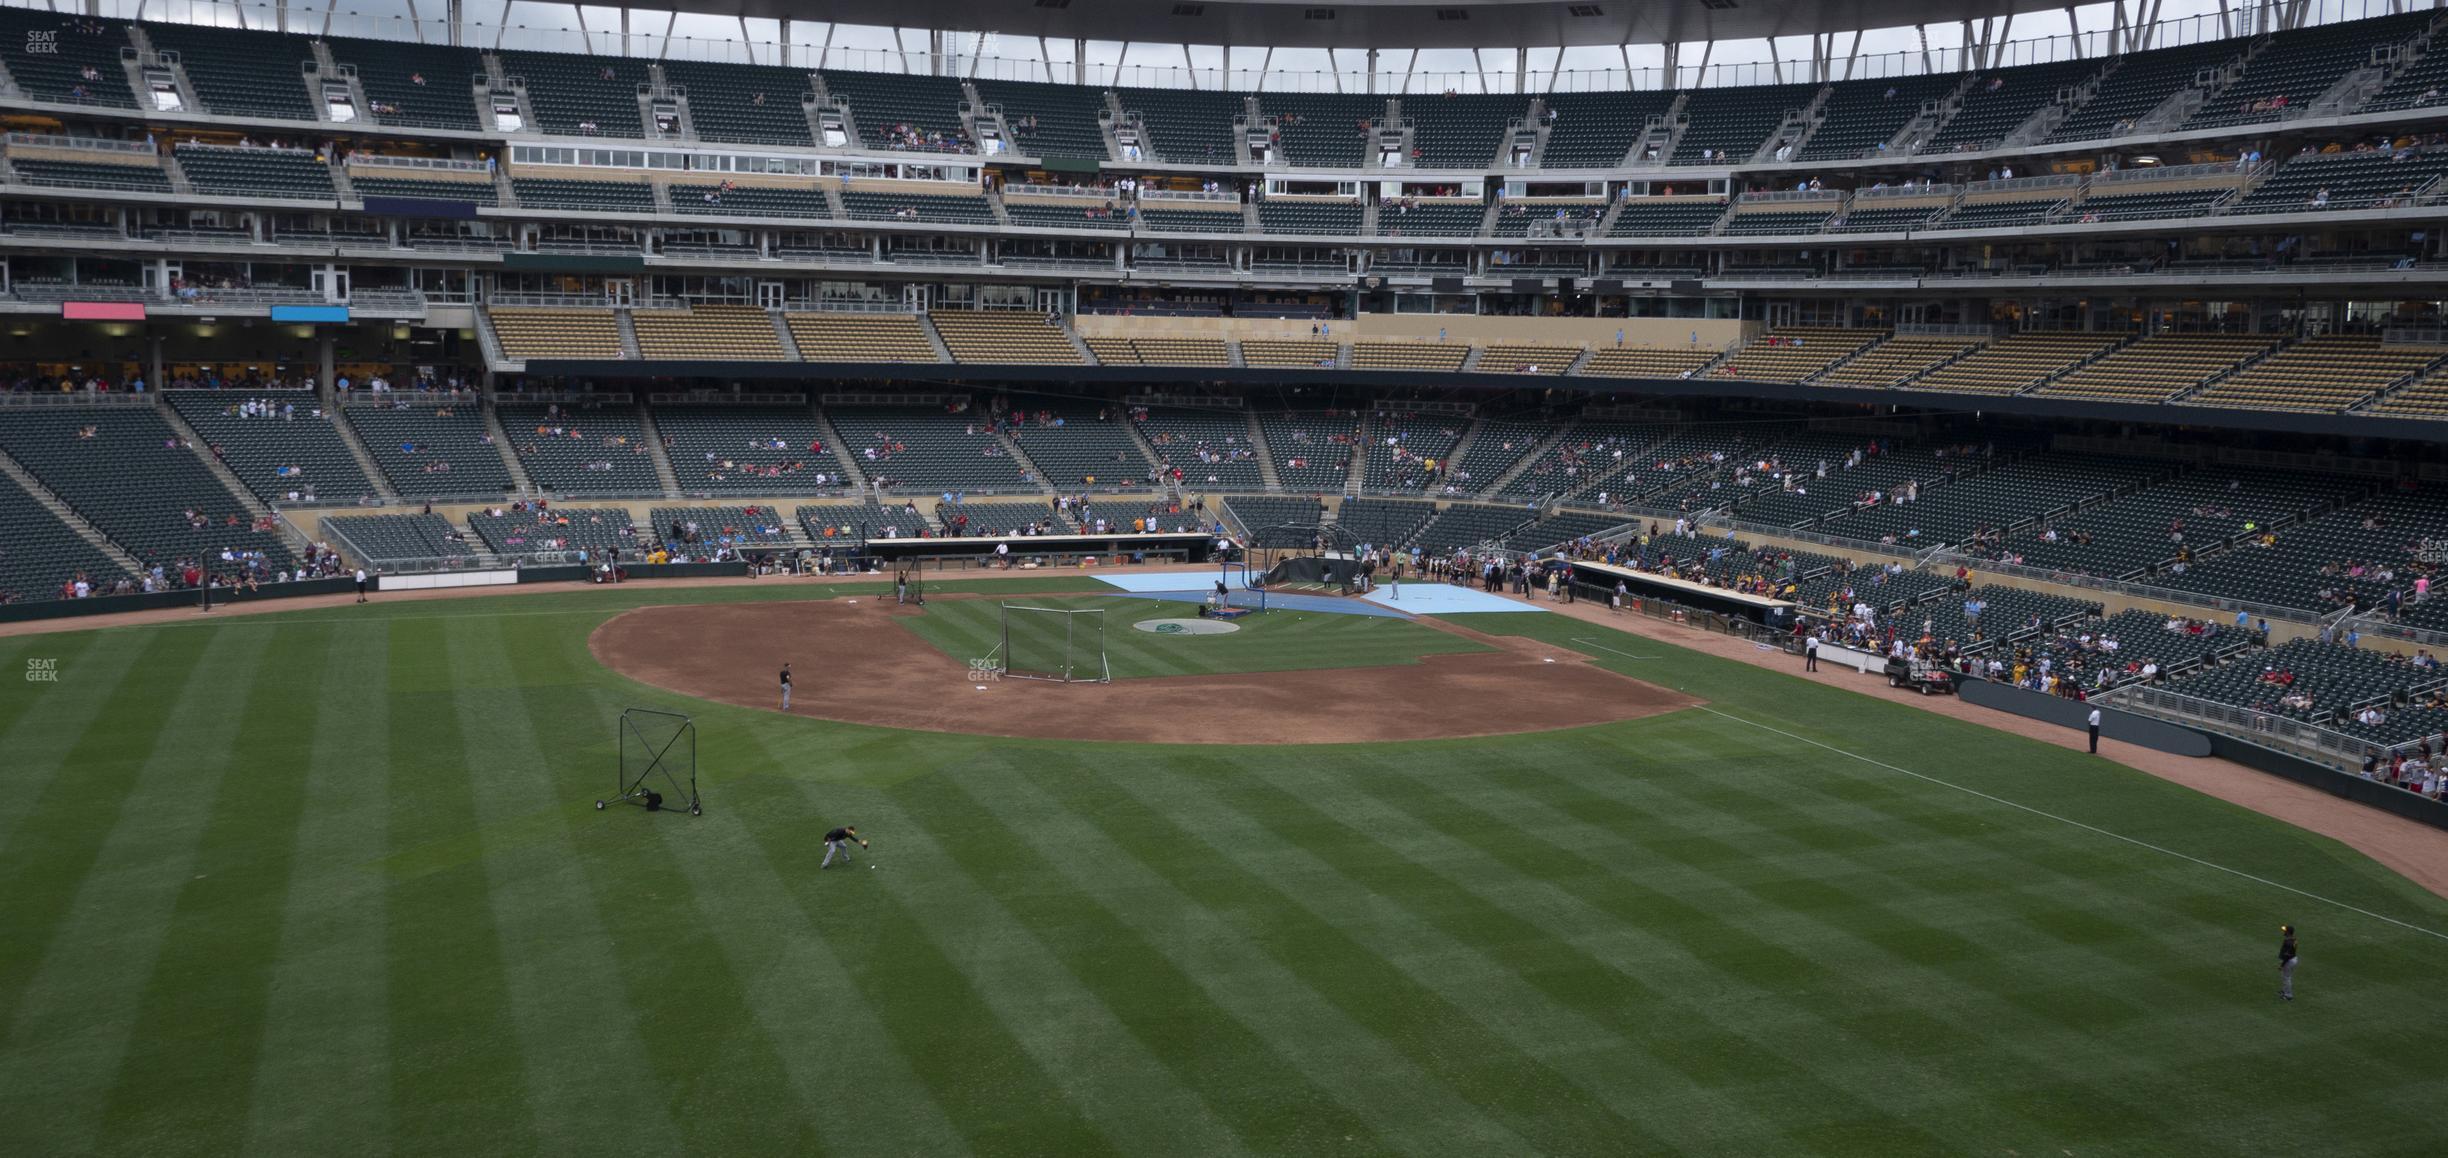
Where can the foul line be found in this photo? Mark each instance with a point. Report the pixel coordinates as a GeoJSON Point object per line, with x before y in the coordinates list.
{"type": "Point", "coordinates": [2076, 823]}
{"type": "Point", "coordinates": [1603, 647]}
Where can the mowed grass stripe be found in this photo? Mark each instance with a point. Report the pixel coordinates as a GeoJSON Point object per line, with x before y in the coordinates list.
{"type": "Point", "coordinates": [1315, 1038]}
{"type": "Point", "coordinates": [1507, 918]}
{"type": "Point", "coordinates": [1438, 1035]}
{"type": "Point", "coordinates": [88, 909]}
{"type": "Point", "coordinates": [1768, 982]}
{"type": "Point", "coordinates": [859, 1092]}
{"type": "Point", "coordinates": [325, 1013]}
{"type": "Point", "coordinates": [1068, 1030]}
{"type": "Point", "coordinates": [579, 1043]}
{"type": "Point", "coordinates": [455, 1051]}
{"type": "Point", "coordinates": [200, 1019]}
{"type": "Point", "coordinates": [2172, 997]}
{"type": "Point", "coordinates": [1235, 1074]}
{"type": "Point", "coordinates": [983, 1080]}
{"type": "Point", "coordinates": [50, 722]}
{"type": "Point", "coordinates": [646, 950]}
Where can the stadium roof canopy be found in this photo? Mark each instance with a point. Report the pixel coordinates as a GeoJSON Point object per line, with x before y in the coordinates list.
{"type": "Point", "coordinates": [1392, 24]}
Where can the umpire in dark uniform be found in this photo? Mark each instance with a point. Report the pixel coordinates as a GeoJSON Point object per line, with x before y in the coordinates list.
{"type": "Point", "coordinates": [2286, 962]}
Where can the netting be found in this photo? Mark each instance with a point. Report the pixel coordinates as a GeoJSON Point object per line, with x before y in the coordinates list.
{"type": "Point", "coordinates": [1049, 643]}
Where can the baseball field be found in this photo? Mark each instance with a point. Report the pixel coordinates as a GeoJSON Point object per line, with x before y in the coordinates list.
{"type": "Point", "coordinates": [333, 882]}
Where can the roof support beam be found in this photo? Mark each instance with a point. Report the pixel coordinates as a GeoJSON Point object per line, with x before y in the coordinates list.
{"type": "Point", "coordinates": [746, 44]}
{"type": "Point", "coordinates": [2074, 30]}
{"type": "Point", "coordinates": [825, 50]}
{"type": "Point", "coordinates": [663, 48]}
{"type": "Point", "coordinates": [1189, 70]}
{"type": "Point", "coordinates": [1480, 62]}
{"type": "Point", "coordinates": [1927, 65]}
{"type": "Point", "coordinates": [1521, 68]}
{"type": "Point", "coordinates": [1776, 64]}
{"type": "Point", "coordinates": [584, 37]}
{"type": "Point", "coordinates": [1409, 67]}
{"type": "Point", "coordinates": [1372, 66]}
{"type": "Point", "coordinates": [785, 35]}
{"type": "Point", "coordinates": [501, 26]}
{"type": "Point", "coordinates": [454, 12]}
{"type": "Point", "coordinates": [1674, 63]}
{"type": "Point", "coordinates": [1853, 54]}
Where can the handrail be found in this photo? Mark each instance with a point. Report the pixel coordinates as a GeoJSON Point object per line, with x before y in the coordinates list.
{"type": "Point", "coordinates": [2171, 173]}
{"type": "Point", "coordinates": [81, 144]}
{"type": "Point", "coordinates": [1792, 195]}
{"type": "Point", "coordinates": [1898, 192]}
{"type": "Point", "coordinates": [438, 164]}
{"type": "Point", "coordinates": [1088, 192]}
{"type": "Point", "coordinates": [2024, 184]}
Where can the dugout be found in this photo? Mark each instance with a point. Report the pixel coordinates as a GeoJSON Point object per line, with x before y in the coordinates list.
{"type": "Point", "coordinates": [1758, 609]}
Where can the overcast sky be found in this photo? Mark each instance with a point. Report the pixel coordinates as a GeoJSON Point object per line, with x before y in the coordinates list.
{"type": "Point", "coordinates": [557, 26]}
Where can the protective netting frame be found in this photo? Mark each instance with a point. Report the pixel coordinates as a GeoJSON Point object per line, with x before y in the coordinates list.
{"type": "Point", "coordinates": [658, 758]}
{"type": "Point", "coordinates": [1080, 651]}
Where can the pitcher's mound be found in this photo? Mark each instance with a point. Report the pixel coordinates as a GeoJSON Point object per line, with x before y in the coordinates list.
{"type": "Point", "coordinates": [854, 664]}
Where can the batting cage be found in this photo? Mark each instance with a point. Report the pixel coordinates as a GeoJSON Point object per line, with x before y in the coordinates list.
{"type": "Point", "coordinates": [658, 762]}
{"type": "Point", "coordinates": [1065, 645]}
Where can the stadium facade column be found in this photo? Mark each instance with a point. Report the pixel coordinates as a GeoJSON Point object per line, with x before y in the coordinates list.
{"type": "Point", "coordinates": [153, 360]}
{"type": "Point", "coordinates": [326, 347]}
{"type": "Point", "coordinates": [1372, 70]}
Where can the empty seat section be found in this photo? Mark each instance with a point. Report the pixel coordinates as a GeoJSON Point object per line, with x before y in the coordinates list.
{"type": "Point", "coordinates": [1441, 357]}
{"type": "Point", "coordinates": [721, 333]}
{"type": "Point", "coordinates": [1227, 219]}
{"type": "Point", "coordinates": [1187, 126]}
{"type": "Point", "coordinates": [431, 450]}
{"type": "Point", "coordinates": [2144, 204]}
{"type": "Point", "coordinates": [556, 333]}
{"type": "Point", "coordinates": [1078, 444]}
{"type": "Point", "coordinates": [239, 73]}
{"type": "Point", "coordinates": [122, 470]}
{"type": "Point", "coordinates": [558, 530]}
{"type": "Point", "coordinates": [920, 113]}
{"type": "Point", "coordinates": [48, 53]}
{"type": "Point", "coordinates": [44, 554]}
{"type": "Point", "coordinates": [703, 532]}
{"type": "Point", "coordinates": [2160, 366]}
{"type": "Point", "coordinates": [1429, 220]}
{"type": "Point", "coordinates": [583, 196]}
{"type": "Point", "coordinates": [2141, 82]}
{"type": "Point", "coordinates": [1730, 124]}
{"type": "Point", "coordinates": [1597, 130]}
{"type": "Point", "coordinates": [2300, 66]}
{"type": "Point", "coordinates": [861, 338]}
{"type": "Point", "coordinates": [748, 449]}
{"type": "Point", "coordinates": [1180, 351]}
{"type": "Point", "coordinates": [1407, 454]}
{"type": "Point", "coordinates": [2000, 214]}
{"type": "Point", "coordinates": [1464, 131]}
{"type": "Point", "coordinates": [1793, 353]}
{"type": "Point", "coordinates": [1049, 120]}
{"type": "Point", "coordinates": [1272, 521]}
{"type": "Point", "coordinates": [749, 104]}
{"type": "Point", "coordinates": [1648, 361]}
{"type": "Point", "coordinates": [291, 173]}
{"type": "Point", "coordinates": [581, 96]}
{"type": "Point", "coordinates": [1999, 102]}
{"type": "Point", "coordinates": [1504, 358]}
{"type": "Point", "coordinates": [1377, 523]}
{"type": "Point", "coordinates": [379, 541]}
{"type": "Point", "coordinates": [2016, 362]}
{"type": "Point", "coordinates": [1653, 217]}
{"type": "Point", "coordinates": [1323, 130]}
{"type": "Point", "coordinates": [1860, 117]}
{"type": "Point", "coordinates": [1211, 448]}
{"type": "Point", "coordinates": [2425, 397]}
{"type": "Point", "coordinates": [931, 449]}
{"type": "Point", "coordinates": [1891, 362]}
{"type": "Point", "coordinates": [1312, 450]}
{"type": "Point", "coordinates": [1288, 353]}
{"type": "Point", "coordinates": [945, 209]}
{"type": "Point", "coordinates": [1065, 214]}
{"type": "Point", "coordinates": [750, 201]}
{"type": "Point", "coordinates": [2324, 373]}
{"type": "Point", "coordinates": [582, 449]}
{"type": "Point", "coordinates": [426, 86]}
{"type": "Point", "coordinates": [2343, 181]}
{"type": "Point", "coordinates": [1884, 219]}
{"type": "Point", "coordinates": [280, 446]}
{"type": "Point", "coordinates": [87, 175]}
{"type": "Point", "coordinates": [1331, 217]}
{"type": "Point", "coordinates": [1758, 223]}
{"type": "Point", "coordinates": [1003, 336]}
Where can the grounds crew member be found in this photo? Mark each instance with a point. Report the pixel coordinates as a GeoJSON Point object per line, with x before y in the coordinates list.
{"type": "Point", "coordinates": [2286, 963]}
{"type": "Point", "coordinates": [839, 840]}
{"type": "Point", "coordinates": [786, 687]}
{"type": "Point", "coordinates": [2094, 725]}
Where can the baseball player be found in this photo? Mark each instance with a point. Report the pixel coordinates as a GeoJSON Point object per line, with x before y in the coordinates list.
{"type": "Point", "coordinates": [786, 686]}
{"type": "Point", "coordinates": [839, 840]}
{"type": "Point", "coordinates": [2286, 963]}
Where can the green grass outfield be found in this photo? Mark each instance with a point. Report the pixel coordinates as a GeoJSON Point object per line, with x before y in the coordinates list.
{"type": "Point", "coordinates": [1275, 641]}
{"type": "Point", "coordinates": [333, 883]}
